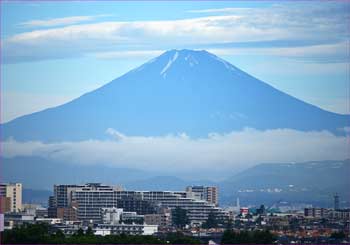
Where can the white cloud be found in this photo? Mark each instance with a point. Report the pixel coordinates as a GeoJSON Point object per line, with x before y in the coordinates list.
{"type": "Point", "coordinates": [59, 21]}
{"type": "Point", "coordinates": [218, 10]}
{"type": "Point", "coordinates": [323, 23]}
{"type": "Point", "coordinates": [180, 152]}
{"type": "Point", "coordinates": [323, 53]}
{"type": "Point", "coordinates": [144, 31]}
{"type": "Point", "coordinates": [127, 54]}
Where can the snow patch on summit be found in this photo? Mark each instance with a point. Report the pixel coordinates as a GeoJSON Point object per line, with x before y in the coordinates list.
{"type": "Point", "coordinates": [192, 61]}
{"type": "Point", "coordinates": [226, 64]}
{"type": "Point", "coordinates": [170, 62]}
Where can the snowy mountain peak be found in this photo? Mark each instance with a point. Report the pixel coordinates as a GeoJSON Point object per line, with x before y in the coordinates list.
{"type": "Point", "coordinates": [170, 62]}
{"type": "Point", "coordinates": [186, 59]}
{"type": "Point", "coordinates": [174, 62]}
{"type": "Point", "coordinates": [179, 91]}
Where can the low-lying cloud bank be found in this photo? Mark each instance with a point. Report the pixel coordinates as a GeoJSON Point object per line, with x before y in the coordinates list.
{"type": "Point", "coordinates": [180, 152]}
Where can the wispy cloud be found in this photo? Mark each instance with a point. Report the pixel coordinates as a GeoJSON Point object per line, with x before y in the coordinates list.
{"type": "Point", "coordinates": [127, 54]}
{"type": "Point", "coordinates": [59, 21]}
{"type": "Point", "coordinates": [218, 10]}
{"type": "Point", "coordinates": [306, 23]}
{"type": "Point", "coordinates": [182, 153]}
{"type": "Point", "coordinates": [323, 53]}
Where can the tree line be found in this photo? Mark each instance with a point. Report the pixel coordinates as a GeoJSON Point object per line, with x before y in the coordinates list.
{"type": "Point", "coordinates": [41, 233]}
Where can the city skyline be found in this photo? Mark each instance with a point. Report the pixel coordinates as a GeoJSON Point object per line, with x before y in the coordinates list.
{"type": "Point", "coordinates": [94, 211]}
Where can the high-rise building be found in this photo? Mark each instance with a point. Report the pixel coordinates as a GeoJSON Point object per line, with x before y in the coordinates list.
{"type": "Point", "coordinates": [207, 193]}
{"type": "Point", "coordinates": [60, 204]}
{"type": "Point", "coordinates": [92, 198]}
{"type": "Point", "coordinates": [86, 200]}
{"type": "Point", "coordinates": [198, 210]}
{"type": "Point", "coordinates": [136, 204]}
{"type": "Point", "coordinates": [63, 195]}
{"type": "Point", "coordinates": [211, 195]}
{"type": "Point", "coordinates": [14, 192]}
{"type": "Point", "coordinates": [336, 201]}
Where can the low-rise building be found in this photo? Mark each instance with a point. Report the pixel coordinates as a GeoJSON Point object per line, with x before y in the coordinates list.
{"type": "Point", "coordinates": [51, 221]}
{"type": "Point", "coordinates": [17, 218]}
{"type": "Point", "coordinates": [316, 212]}
{"type": "Point", "coordinates": [36, 210]}
{"type": "Point", "coordinates": [128, 229]}
{"type": "Point", "coordinates": [132, 217]}
{"type": "Point", "coordinates": [339, 214]}
{"type": "Point", "coordinates": [111, 216]}
{"type": "Point", "coordinates": [162, 220]}
{"type": "Point", "coordinates": [114, 216]}
{"type": "Point", "coordinates": [5, 204]}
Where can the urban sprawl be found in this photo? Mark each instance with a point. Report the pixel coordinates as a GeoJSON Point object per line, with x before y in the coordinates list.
{"type": "Point", "coordinates": [104, 210]}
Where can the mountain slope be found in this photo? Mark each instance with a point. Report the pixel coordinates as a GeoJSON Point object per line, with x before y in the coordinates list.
{"type": "Point", "coordinates": [180, 91]}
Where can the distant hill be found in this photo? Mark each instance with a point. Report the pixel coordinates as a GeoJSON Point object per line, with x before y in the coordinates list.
{"type": "Point", "coordinates": [169, 183]}
{"type": "Point", "coordinates": [36, 196]}
{"type": "Point", "coordinates": [313, 182]}
{"type": "Point", "coordinates": [309, 182]}
{"type": "Point", "coordinates": [41, 174]}
{"type": "Point", "coordinates": [180, 91]}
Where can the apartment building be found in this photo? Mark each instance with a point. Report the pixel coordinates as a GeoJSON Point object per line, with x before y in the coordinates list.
{"type": "Point", "coordinates": [92, 198]}
{"type": "Point", "coordinates": [11, 194]}
{"type": "Point", "coordinates": [207, 193]}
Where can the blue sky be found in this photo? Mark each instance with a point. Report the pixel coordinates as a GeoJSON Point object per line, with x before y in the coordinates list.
{"type": "Point", "coordinates": [53, 52]}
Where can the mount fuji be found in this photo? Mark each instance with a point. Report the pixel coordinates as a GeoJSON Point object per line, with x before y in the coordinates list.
{"type": "Point", "coordinates": [187, 91]}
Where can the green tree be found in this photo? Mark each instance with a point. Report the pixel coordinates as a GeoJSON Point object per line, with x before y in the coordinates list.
{"type": "Point", "coordinates": [89, 232]}
{"type": "Point", "coordinates": [28, 233]}
{"type": "Point", "coordinates": [80, 232]}
{"type": "Point", "coordinates": [229, 224]}
{"type": "Point", "coordinates": [338, 235]}
{"type": "Point", "coordinates": [211, 222]}
{"type": "Point", "coordinates": [247, 237]}
{"type": "Point", "coordinates": [179, 217]}
{"type": "Point", "coordinates": [57, 237]}
{"type": "Point", "coordinates": [180, 238]}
